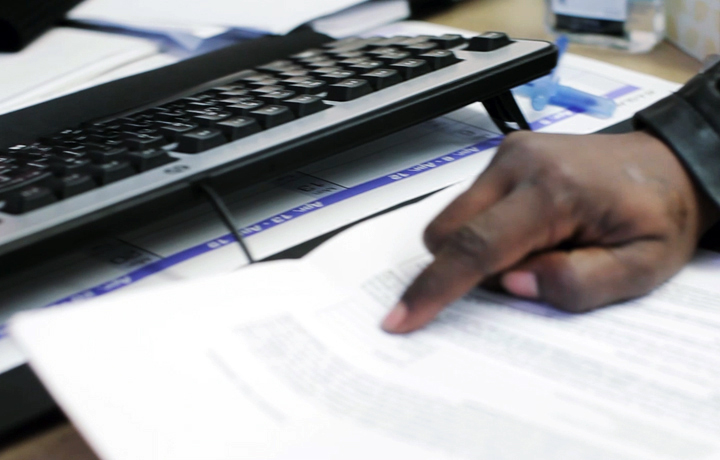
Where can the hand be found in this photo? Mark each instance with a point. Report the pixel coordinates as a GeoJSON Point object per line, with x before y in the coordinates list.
{"type": "Point", "coordinates": [575, 221]}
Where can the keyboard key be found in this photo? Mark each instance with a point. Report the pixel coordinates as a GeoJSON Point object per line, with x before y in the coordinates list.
{"type": "Point", "coordinates": [310, 87]}
{"type": "Point", "coordinates": [305, 105]}
{"type": "Point", "coordinates": [388, 42]}
{"type": "Point", "coordinates": [234, 93]}
{"type": "Point", "coordinates": [265, 82]}
{"type": "Point", "coordinates": [276, 66]}
{"type": "Point", "coordinates": [421, 48]}
{"type": "Point", "coordinates": [224, 88]}
{"type": "Point", "coordinates": [393, 58]}
{"type": "Point", "coordinates": [104, 154]}
{"type": "Point", "coordinates": [267, 89]}
{"type": "Point", "coordinates": [141, 141]}
{"type": "Point", "coordinates": [245, 107]}
{"type": "Point", "coordinates": [342, 42]}
{"type": "Point", "coordinates": [270, 116]}
{"type": "Point", "coordinates": [347, 90]}
{"type": "Point", "coordinates": [73, 184]}
{"type": "Point", "coordinates": [257, 76]}
{"type": "Point", "coordinates": [350, 55]}
{"type": "Point", "coordinates": [238, 127]}
{"type": "Point", "coordinates": [211, 118]}
{"type": "Point", "coordinates": [320, 64]}
{"type": "Point", "coordinates": [448, 41]}
{"type": "Point", "coordinates": [413, 40]}
{"type": "Point", "coordinates": [38, 163]}
{"type": "Point", "coordinates": [411, 68]}
{"type": "Point", "coordinates": [365, 66]}
{"type": "Point", "coordinates": [171, 115]}
{"type": "Point", "coordinates": [144, 160]}
{"type": "Point", "coordinates": [275, 97]}
{"type": "Point", "coordinates": [337, 76]}
{"type": "Point", "coordinates": [235, 100]}
{"type": "Point", "coordinates": [28, 199]}
{"type": "Point", "coordinates": [20, 179]}
{"type": "Point", "coordinates": [173, 130]}
{"type": "Point", "coordinates": [293, 80]}
{"type": "Point", "coordinates": [199, 97]}
{"type": "Point", "coordinates": [439, 58]}
{"type": "Point", "coordinates": [63, 166]}
{"type": "Point", "coordinates": [324, 70]}
{"type": "Point", "coordinates": [489, 41]}
{"type": "Point", "coordinates": [313, 52]}
{"type": "Point", "coordinates": [344, 50]}
{"type": "Point", "coordinates": [198, 107]}
{"type": "Point", "coordinates": [384, 50]}
{"type": "Point", "coordinates": [382, 78]}
{"type": "Point", "coordinates": [294, 73]}
{"type": "Point", "coordinates": [112, 171]}
{"type": "Point", "coordinates": [242, 76]}
{"type": "Point", "coordinates": [200, 140]}
{"type": "Point", "coordinates": [314, 59]}
{"type": "Point", "coordinates": [353, 61]}
{"type": "Point", "coordinates": [110, 142]}
{"type": "Point", "coordinates": [357, 45]}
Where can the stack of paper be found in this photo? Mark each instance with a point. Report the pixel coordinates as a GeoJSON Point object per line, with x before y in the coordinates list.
{"type": "Point", "coordinates": [286, 361]}
{"type": "Point", "coordinates": [189, 23]}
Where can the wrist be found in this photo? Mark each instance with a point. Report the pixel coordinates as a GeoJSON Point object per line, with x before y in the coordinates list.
{"type": "Point", "coordinates": [699, 202]}
{"type": "Point", "coordinates": [687, 123]}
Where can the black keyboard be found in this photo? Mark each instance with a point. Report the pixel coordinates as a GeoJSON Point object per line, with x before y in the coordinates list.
{"type": "Point", "coordinates": [258, 121]}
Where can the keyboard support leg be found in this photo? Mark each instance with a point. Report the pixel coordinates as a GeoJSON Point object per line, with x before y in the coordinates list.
{"type": "Point", "coordinates": [503, 110]}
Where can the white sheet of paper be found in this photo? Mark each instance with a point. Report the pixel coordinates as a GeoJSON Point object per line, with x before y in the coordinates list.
{"type": "Point", "coordinates": [362, 18]}
{"type": "Point", "coordinates": [274, 16]}
{"type": "Point", "coordinates": [286, 361]}
{"type": "Point", "coordinates": [64, 59]}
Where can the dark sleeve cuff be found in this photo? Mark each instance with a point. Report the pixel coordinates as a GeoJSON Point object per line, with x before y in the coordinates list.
{"type": "Point", "coordinates": [689, 123]}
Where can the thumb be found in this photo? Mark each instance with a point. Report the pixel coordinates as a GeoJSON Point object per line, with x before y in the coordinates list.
{"type": "Point", "coordinates": [584, 279]}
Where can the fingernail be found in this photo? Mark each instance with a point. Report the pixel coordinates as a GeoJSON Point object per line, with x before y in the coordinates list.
{"type": "Point", "coordinates": [521, 284]}
{"type": "Point", "coordinates": [395, 318]}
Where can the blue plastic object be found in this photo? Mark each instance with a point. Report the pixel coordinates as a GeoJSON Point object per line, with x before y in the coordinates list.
{"type": "Point", "coordinates": [548, 90]}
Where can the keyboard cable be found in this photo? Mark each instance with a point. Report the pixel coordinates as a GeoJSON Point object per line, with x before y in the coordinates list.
{"type": "Point", "coordinates": [227, 218]}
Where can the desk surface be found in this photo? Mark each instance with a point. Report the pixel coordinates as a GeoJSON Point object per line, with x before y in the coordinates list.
{"type": "Point", "coordinates": [63, 443]}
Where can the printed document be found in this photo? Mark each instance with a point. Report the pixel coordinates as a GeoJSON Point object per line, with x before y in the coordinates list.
{"type": "Point", "coordinates": [286, 360]}
{"type": "Point", "coordinates": [272, 16]}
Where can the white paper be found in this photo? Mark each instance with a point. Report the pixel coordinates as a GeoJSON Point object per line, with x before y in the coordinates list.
{"type": "Point", "coordinates": [64, 59]}
{"type": "Point", "coordinates": [274, 16]}
{"type": "Point", "coordinates": [362, 18]}
{"type": "Point", "coordinates": [299, 368]}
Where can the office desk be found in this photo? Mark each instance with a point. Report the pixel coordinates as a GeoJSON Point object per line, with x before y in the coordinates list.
{"type": "Point", "coordinates": [520, 18]}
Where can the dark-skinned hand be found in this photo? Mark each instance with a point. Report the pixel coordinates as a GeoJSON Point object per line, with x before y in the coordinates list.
{"type": "Point", "coordinates": [578, 222]}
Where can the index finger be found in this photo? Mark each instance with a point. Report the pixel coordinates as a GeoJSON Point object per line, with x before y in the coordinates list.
{"type": "Point", "coordinates": [497, 239]}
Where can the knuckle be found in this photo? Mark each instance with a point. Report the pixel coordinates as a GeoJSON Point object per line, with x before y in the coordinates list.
{"type": "Point", "coordinates": [518, 149]}
{"type": "Point", "coordinates": [433, 236]}
{"type": "Point", "coordinates": [644, 276]}
{"type": "Point", "coordinates": [558, 185]}
{"type": "Point", "coordinates": [519, 141]}
{"type": "Point", "coordinates": [470, 246]}
{"type": "Point", "coordinates": [562, 289]}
